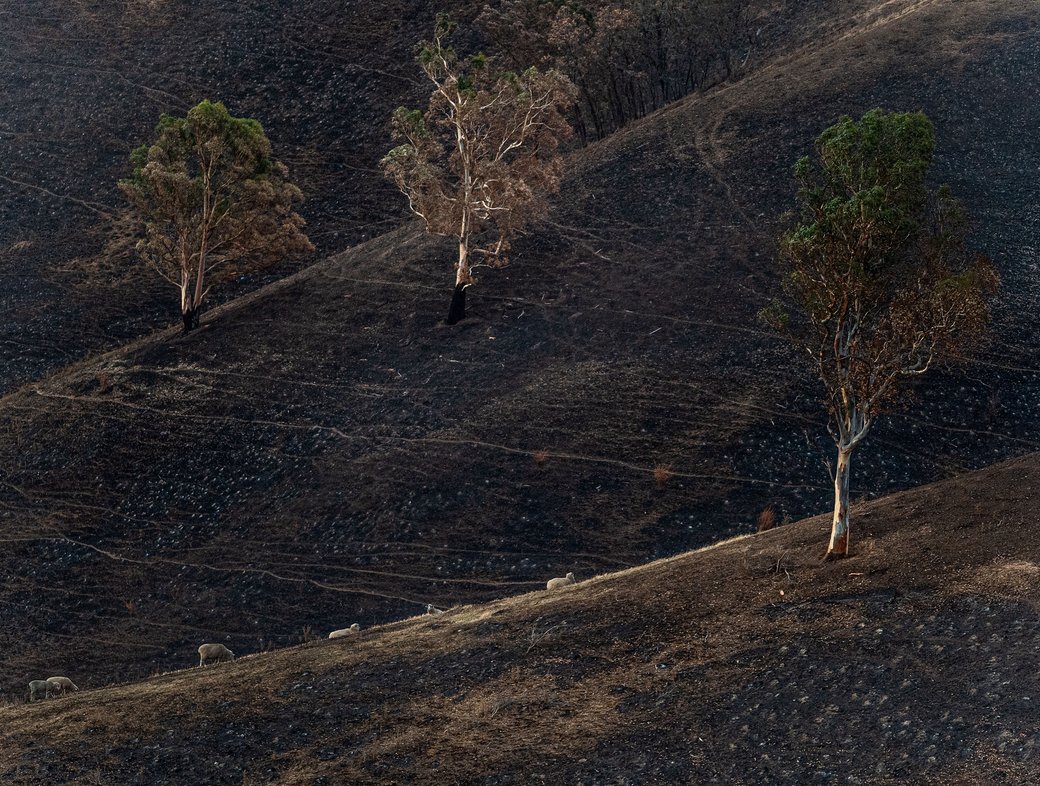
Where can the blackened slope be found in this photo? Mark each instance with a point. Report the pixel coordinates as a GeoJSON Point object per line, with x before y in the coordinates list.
{"type": "Point", "coordinates": [324, 452]}
{"type": "Point", "coordinates": [745, 663]}
{"type": "Point", "coordinates": [81, 84]}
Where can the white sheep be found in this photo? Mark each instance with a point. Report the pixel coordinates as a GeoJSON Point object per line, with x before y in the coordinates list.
{"type": "Point", "coordinates": [215, 653]}
{"type": "Point", "coordinates": [431, 609]}
{"type": "Point", "coordinates": [351, 631]}
{"type": "Point", "coordinates": [36, 687]}
{"type": "Point", "coordinates": [566, 581]}
{"type": "Point", "coordinates": [60, 685]}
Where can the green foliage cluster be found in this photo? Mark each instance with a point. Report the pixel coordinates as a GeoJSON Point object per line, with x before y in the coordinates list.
{"type": "Point", "coordinates": [206, 202]}
{"type": "Point", "coordinates": [878, 278]}
{"type": "Point", "coordinates": [869, 227]}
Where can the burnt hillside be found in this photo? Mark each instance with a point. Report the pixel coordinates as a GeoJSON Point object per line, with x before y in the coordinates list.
{"type": "Point", "coordinates": [82, 83]}
{"type": "Point", "coordinates": [748, 662]}
{"type": "Point", "coordinates": [323, 451]}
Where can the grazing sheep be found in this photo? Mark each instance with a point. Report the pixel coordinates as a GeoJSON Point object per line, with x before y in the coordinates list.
{"type": "Point", "coordinates": [431, 609]}
{"type": "Point", "coordinates": [36, 687]}
{"type": "Point", "coordinates": [566, 581]}
{"type": "Point", "coordinates": [60, 685]}
{"type": "Point", "coordinates": [215, 653]}
{"type": "Point", "coordinates": [352, 630]}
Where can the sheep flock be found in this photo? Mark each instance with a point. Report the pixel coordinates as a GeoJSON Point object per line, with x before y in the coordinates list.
{"type": "Point", "coordinates": [214, 653]}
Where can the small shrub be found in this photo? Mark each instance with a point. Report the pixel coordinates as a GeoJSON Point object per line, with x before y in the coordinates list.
{"type": "Point", "coordinates": [766, 519]}
{"type": "Point", "coordinates": [662, 474]}
{"type": "Point", "coordinates": [542, 634]}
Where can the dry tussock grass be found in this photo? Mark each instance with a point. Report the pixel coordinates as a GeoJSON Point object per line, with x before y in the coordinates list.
{"type": "Point", "coordinates": [662, 474]}
{"type": "Point", "coordinates": [703, 609]}
{"type": "Point", "coordinates": [511, 717]}
{"type": "Point", "coordinates": [1015, 578]}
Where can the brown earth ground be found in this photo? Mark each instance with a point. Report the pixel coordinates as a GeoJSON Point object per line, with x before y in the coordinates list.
{"type": "Point", "coordinates": [747, 662]}
{"type": "Point", "coordinates": [323, 452]}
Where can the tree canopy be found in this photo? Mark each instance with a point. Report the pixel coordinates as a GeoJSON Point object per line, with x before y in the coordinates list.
{"type": "Point", "coordinates": [208, 202]}
{"type": "Point", "coordinates": [879, 281]}
{"type": "Point", "coordinates": [479, 163]}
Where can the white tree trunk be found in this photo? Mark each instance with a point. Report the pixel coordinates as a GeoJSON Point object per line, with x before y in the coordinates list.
{"type": "Point", "coordinates": [462, 266]}
{"type": "Point", "coordinates": [838, 546]}
{"type": "Point", "coordinates": [200, 274]}
{"type": "Point", "coordinates": [457, 309]}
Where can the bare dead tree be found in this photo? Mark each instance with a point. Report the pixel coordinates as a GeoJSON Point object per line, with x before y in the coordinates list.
{"type": "Point", "coordinates": [626, 59]}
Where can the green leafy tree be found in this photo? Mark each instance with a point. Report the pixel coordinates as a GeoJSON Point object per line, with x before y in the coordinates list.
{"type": "Point", "coordinates": [479, 163]}
{"type": "Point", "coordinates": [207, 203]}
{"type": "Point", "coordinates": [879, 281]}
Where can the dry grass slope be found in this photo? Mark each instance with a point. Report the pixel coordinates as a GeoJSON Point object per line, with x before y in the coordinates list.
{"type": "Point", "coordinates": [746, 662]}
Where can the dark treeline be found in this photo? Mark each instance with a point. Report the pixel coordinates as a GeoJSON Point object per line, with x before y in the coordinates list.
{"type": "Point", "coordinates": [626, 60]}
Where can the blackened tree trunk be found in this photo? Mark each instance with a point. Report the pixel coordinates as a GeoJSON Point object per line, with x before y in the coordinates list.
{"type": "Point", "coordinates": [191, 318]}
{"type": "Point", "coordinates": [457, 309]}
